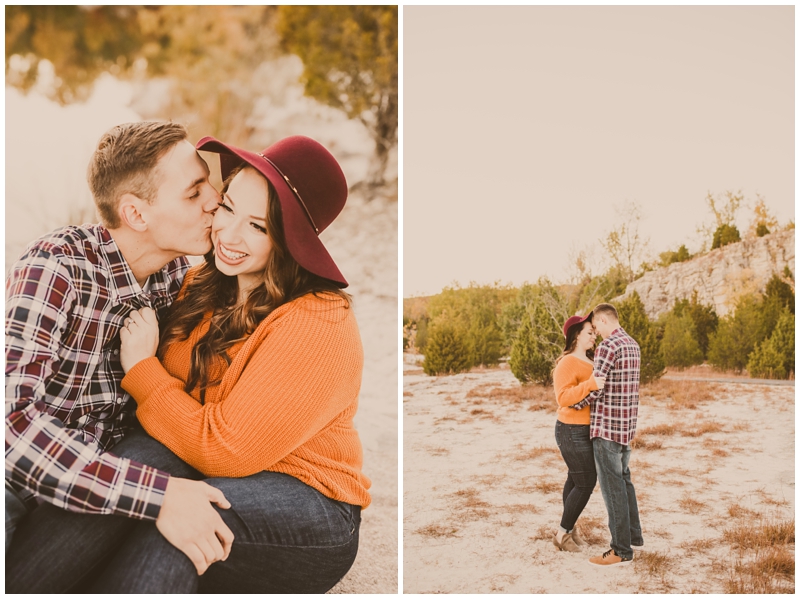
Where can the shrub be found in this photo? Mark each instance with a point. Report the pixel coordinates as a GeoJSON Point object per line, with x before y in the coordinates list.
{"type": "Point", "coordinates": [421, 339]}
{"type": "Point", "coordinates": [724, 235]}
{"type": "Point", "coordinates": [762, 230]}
{"type": "Point", "coordinates": [474, 310]}
{"type": "Point", "coordinates": [670, 257]}
{"type": "Point", "coordinates": [737, 335]}
{"type": "Point", "coordinates": [780, 291]}
{"type": "Point", "coordinates": [533, 323]}
{"type": "Point", "coordinates": [633, 318]}
{"type": "Point", "coordinates": [679, 344]}
{"type": "Point", "coordinates": [704, 318]}
{"type": "Point", "coordinates": [766, 362]}
{"type": "Point", "coordinates": [774, 357]}
{"type": "Point", "coordinates": [446, 351]}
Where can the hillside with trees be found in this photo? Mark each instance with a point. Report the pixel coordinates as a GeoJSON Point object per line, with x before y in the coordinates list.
{"type": "Point", "coordinates": [743, 322]}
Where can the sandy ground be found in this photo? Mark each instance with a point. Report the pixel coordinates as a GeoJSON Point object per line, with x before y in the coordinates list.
{"type": "Point", "coordinates": [363, 242]}
{"type": "Point", "coordinates": [483, 480]}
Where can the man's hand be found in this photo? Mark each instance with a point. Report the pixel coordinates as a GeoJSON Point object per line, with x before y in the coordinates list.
{"type": "Point", "coordinates": [189, 522]}
{"type": "Point", "coordinates": [138, 338]}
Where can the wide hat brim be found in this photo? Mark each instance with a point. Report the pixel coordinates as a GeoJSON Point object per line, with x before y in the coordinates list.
{"type": "Point", "coordinates": [302, 240]}
{"type": "Point", "coordinates": [573, 320]}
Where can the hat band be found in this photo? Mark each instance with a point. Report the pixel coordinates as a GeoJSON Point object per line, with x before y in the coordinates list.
{"type": "Point", "coordinates": [294, 189]}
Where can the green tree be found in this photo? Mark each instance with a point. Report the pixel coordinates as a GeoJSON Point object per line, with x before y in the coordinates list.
{"type": "Point", "coordinates": [724, 235]}
{"type": "Point", "coordinates": [533, 324]}
{"type": "Point", "coordinates": [633, 318]}
{"type": "Point", "coordinates": [474, 310]}
{"type": "Point", "coordinates": [679, 343]}
{"type": "Point", "coordinates": [446, 351]}
{"type": "Point", "coordinates": [703, 317]}
{"type": "Point", "coordinates": [350, 56]}
{"type": "Point", "coordinates": [774, 357]}
{"type": "Point", "coordinates": [737, 335]}
{"type": "Point", "coordinates": [781, 292]}
{"type": "Point", "coordinates": [670, 257]}
{"type": "Point", "coordinates": [766, 362]}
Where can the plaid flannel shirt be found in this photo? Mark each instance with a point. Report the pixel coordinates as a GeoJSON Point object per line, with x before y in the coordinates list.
{"type": "Point", "coordinates": [615, 407]}
{"type": "Point", "coordinates": [66, 300]}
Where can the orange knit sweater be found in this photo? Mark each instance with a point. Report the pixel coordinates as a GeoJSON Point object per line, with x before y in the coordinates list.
{"type": "Point", "coordinates": [573, 381]}
{"type": "Point", "coordinates": [285, 404]}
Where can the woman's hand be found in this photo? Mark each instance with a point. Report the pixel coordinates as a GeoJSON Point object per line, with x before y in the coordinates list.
{"type": "Point", "coordinates": [138, 338]}
{"type": "Point", "coordinates": [601, 381]}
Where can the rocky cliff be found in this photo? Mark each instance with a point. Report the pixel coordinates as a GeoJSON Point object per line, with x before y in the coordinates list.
{"type": "Point", "coordinates": [720, 276]}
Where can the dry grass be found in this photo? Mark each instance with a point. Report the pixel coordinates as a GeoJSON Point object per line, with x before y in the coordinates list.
{"type": "Point", "coordinates": [655, 563]}
{"type": "Point", "coordinates": [543, 533]}
{"type": "Point", "coordinates": [470, 499]}
{"type": "Point", "coordinates": [641, 441]}
{"type": "Point", "coordinates": [593, 530]}
{"type": "Point", "coordinates": [536, 397]}
{"type": "Point", "coordinates": [697, 546]}
{"type": "Point", "coordinates": [690, 504]}
{"type": "Point", "coordinates": [704, 428]}
{"type": "Point", "coordinates": [736, 510]}
{"type": "Point", "coordinates": [678, 395]}
{"type": "Point", "coordinates": [767, 570]}
{"type": "Point", "coordinates": [437, 531]}
{"type": "Point", "coordinates": [536, 452]}
{"type": "Point", "coordinates": [408, 394]}
{"type": "Point", "coordinates": [519, 508]}
{"type": "Point", "coordinates": [548, 486]}
{"type": "Point", "coordinates": [759, 534]}
{"type": "Point", "coordinates": [439, 451]}
{"type": "Point", "coordinates": [662, 430]}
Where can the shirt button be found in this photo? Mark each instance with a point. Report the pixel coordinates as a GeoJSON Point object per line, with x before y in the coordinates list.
{"type": "Point", "coordinates": [116, 352]}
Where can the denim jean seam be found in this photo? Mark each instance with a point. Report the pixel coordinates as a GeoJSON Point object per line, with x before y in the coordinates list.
{"type": "Point", "coordinates": [283, 546]}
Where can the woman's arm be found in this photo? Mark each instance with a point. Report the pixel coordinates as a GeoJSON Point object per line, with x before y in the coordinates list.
{"type": "Point", "coordinates": [304, 373]}
{"type": "Point", "coordinates": [569, 389]}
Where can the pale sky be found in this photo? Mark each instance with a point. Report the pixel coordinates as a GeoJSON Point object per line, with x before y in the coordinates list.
{"type": "Point", "coordinates": [524, 126]}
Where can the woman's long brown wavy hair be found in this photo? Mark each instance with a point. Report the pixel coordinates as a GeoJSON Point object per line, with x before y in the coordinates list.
{"type": "Point", "coordinates": [572, 341]}
{"type": "Point", "coordinates": [232, 322]}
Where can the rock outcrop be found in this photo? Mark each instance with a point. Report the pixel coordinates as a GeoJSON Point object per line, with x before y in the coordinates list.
{"type": "Point", "coordinates": [720, 276]}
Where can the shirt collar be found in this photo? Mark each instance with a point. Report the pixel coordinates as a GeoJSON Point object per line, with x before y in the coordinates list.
{"type": "Point", "coordinates": [122, 285]}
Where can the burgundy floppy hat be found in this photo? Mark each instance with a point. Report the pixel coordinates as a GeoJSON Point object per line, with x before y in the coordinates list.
{"type": "Point", "coordinates": [311, 188]}
{"type": "Point", "coordinates": [573, 320]}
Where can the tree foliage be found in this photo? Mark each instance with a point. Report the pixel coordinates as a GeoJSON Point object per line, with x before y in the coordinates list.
{"type": "Point", "coordinates": [738, 334]}
{"type": "Point", "coordinates": [763, 220]}
{"type": "Point", "coordinates": [633, 318]}
{"type": "Point", "coordinates": [350, 58]}
{"type": "Point", "coordinates": [474, 310]}
{"type": "Point", "coordinates": [446, 350]}
{"type": "Point", "coordinates": [704, 318]}
{"type": "Point", "coordinates": [724, 235]}
{"type": "Point", "coordinates": [532, 323]}
{"type": "Point", "coordinates": [679, 343]}
{"type": "Point", "coordinates": [774, 357]}
{"type": "Point", "coordinates": [669, 257]}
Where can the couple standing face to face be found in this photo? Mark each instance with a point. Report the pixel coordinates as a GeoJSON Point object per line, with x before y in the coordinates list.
{"type": "Point", "coordinates": [187, 216]}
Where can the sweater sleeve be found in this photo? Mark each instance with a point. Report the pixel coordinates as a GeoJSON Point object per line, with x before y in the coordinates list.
{"type": "Point", "coordinates": [569, 390]}
{"type": "Point", "coordinates": [294, 384]}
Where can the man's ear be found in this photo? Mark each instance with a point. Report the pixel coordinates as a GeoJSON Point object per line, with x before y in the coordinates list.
{"type": "Point", "coordinates": [130, 212]}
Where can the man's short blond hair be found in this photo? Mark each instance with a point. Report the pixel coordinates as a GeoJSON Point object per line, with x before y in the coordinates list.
{"type": "Point", "coordinates": [125, 161]}
{"type": "Point", "coordinates": [606, 309]}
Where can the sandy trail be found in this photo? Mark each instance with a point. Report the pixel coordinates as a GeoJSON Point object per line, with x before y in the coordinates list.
{"type": "Point", "coordinates": [483, 480]}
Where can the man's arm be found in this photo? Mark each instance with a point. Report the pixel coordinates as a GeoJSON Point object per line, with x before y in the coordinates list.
{"type": "Point", "coordinates": [603, 361]}
{"type": "Point", "coordinates": [42, 455]}
{"type": "Point", "coordinates": [52, 461]}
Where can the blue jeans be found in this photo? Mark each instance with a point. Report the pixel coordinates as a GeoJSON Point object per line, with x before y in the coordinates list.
{"type": "Point", "coordinates": [619, 495]}
{"type": "Point", "coordinates": [15, 510]}
{"type": "Point", "coordinates": [576, 448]}
{"type": "Point", "coordinates": [289, 538]}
